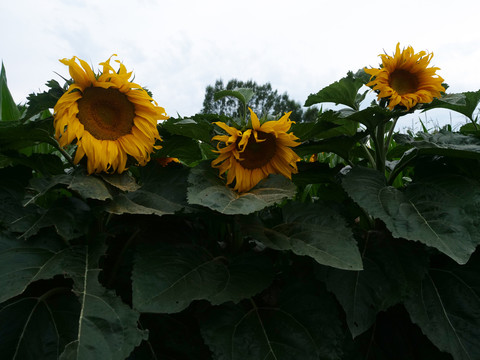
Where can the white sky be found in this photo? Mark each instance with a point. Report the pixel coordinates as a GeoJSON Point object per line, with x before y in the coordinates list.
{"type": "Point", "coordinates": [177, 48]}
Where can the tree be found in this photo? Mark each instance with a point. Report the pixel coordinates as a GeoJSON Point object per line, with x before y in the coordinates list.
{"type": "Point", "coordinates": [265, 101]}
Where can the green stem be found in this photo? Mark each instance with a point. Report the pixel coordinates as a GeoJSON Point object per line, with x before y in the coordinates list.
{"type": "Point", "coordinates": [380, 147]}
{"type": "Point", "coordinates": [65, 154]}
{"type": "Point", "coordinates": [369, 156]}
{"type": "Point", "coordinates": [474, 122]}
{"type": "Point", "coordinates": [390, 134]}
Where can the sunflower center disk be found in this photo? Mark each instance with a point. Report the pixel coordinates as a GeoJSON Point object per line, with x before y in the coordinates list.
{"type": "Point", "coordinates": [107, 114]}
{"type": "Point", "coordinates": [257, 154]}
{"type": "Point", "coordinates": [403, 82]}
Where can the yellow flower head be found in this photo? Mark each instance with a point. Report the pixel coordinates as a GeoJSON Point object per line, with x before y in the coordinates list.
{"type": "Point", "coordinates": [251, 155]}
{"type": "Point", "coordinates": [108, 116]}
{"type": "Point", "coordinates": [406, 79]}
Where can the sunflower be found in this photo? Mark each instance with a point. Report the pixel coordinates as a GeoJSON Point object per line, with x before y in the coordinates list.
{"type": "Point", "coordinates": [406, 79]}
{"type": "Point", "coordinates": [251, 155]}
{"type": "Point", "coordinates": [109, 117]}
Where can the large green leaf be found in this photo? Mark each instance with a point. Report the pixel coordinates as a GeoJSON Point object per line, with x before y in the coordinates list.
{"type": "Point", "coordinates": [68, 215]}
{"type": "Point", "coordinates": [45, 164]}
{"type": "Point", "coordinates": [392, 270]}
{"type": "Point", "coordinates": [248, 275]}
{"type": "Point", "coordinates": [342, 92]}
{"type": "Point", "coordinates": [8, 109]}
{"type": "Point", "coordinates": [87, 186]}
{"type": "Point", "coordinates": [38, 327]}
{"type": "Point", "coordinates": [442, 212]}
{"type": "Point", "coordinates": [311, 230]}
{"type": "Point", "coordinates": [443, 143]}
{"type": "Point", "coordinates": [22, 262]}
{"type": "Point", "coordinates": [372, 116]}
{"type": "Point", "coordinates": [207, 189]}
{"type": "Point", "coordinates": [15, 135]}
{"type": "Point", "coordinates": [13, 180]}
{"type": "Point", "coordinates": [303, 325]}
{"type": "Point", "coordinates": [446, 306]}
{"type": "Point", "coordinates": [162, 191]}
{"type": "Point", "coordinates": [465, 103]}
{"type": "Point", "coordinates": [196, 128]}
{"type": "Point", "coordinates": [107, 327]}
{"type": "Point", "coordinates": [180, 147]}
{"type": "Point", "coordinates": [43, 102]}
{"type": "Point", "coordinates": [329, 124]}
{"type": "Point", "coordinates": [340, 145]}
{"type": "Point", "coordinates": [167, 279]}
{"type": "Point", "coordinates": [124, 181]}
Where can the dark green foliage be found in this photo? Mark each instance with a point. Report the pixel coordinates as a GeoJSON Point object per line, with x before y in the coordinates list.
{"type": "Point", "coordinates": [370, 252]}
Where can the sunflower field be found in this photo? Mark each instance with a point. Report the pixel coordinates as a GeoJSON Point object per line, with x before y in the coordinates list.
{"type": "Point", "coordinates": [126, 233]}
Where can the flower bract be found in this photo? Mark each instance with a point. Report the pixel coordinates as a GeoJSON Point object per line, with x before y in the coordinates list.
{"type": "Point", "coordinates": [108, 117]}
{"type": "Point", "coordinates": [251, 155]}
{"type": "Point", "coordinates": [406, 78]}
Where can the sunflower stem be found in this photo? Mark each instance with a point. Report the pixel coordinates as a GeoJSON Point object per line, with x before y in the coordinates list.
{"type": "Point", "coordinates": [390, 134]}
{"type": "Point", "coordinates": [65, 154]}
{"type": "Point", "coordinates": [380, 147]}
{"type": "Point", "coordinates": [369, 156]}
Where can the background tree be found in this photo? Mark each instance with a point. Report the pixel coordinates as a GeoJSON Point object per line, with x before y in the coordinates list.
{"type": "Point", "coordinates": [265, 101]}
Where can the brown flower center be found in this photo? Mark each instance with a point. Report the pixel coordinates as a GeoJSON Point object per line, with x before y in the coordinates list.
{"type": "Point", "coordinates": [403, 82]}
{"type": "Point", "coordinates": [107, 114]}
{"type": "Point", "coordinates": [257, 154]}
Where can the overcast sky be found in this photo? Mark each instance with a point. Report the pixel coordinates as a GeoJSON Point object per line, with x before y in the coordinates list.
{"type": "Point", "coordinates": [177, 48]}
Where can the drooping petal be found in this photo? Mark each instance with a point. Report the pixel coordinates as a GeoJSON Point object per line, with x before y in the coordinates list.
{"type": "Point", "coordinates": [248, 159]}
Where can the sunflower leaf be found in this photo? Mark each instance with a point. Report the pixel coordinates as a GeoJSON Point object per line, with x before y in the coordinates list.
{"type": "Point", "coordinates": [464, 103]}
{"type": "Point", "coordinates": [208, 190]}
{"type": "Point", "coordinates": [392, 271]}
{"type": "Point", "coordinates": [445, 306]}
{"type": "Point", "coordinates": [166, 279]}
{"type": "Point", "coordinates": [442, 143]}
{"type": "Point", "coordinates": [442, 212]}
{"type": "Point", "coordinates": [325, 238]}
{"type": "Point", "coordinates": [265, 332]}
{"type": "Point", "coordinates": [180, 147]}
{"type": "Point", "coordinates": [329, 124]}
{"type": "Point", "coordinates": [342, 92]}
{"type": "Point", "coordinates": [248, 275]}
{"type": "Point", "coordinates": [68, 215]}
{"type": "Point", "coordinates": [103, 315]}
{"type": "Point", "coordinates": [39, 327]}
{"type": "Point", "coordinates": [38, 103]}
{"type": "Point", "coordinates": [15, 135]}
{"type": "Point", "coordinates": [44, 256]}
{"type": "Point", "coordinates": [162, 192]}
{"type": "Point", "coordinates": [198, 127]}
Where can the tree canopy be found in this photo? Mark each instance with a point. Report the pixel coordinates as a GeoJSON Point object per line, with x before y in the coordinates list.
{"type": "Point", "coordinates": [265, 101]}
